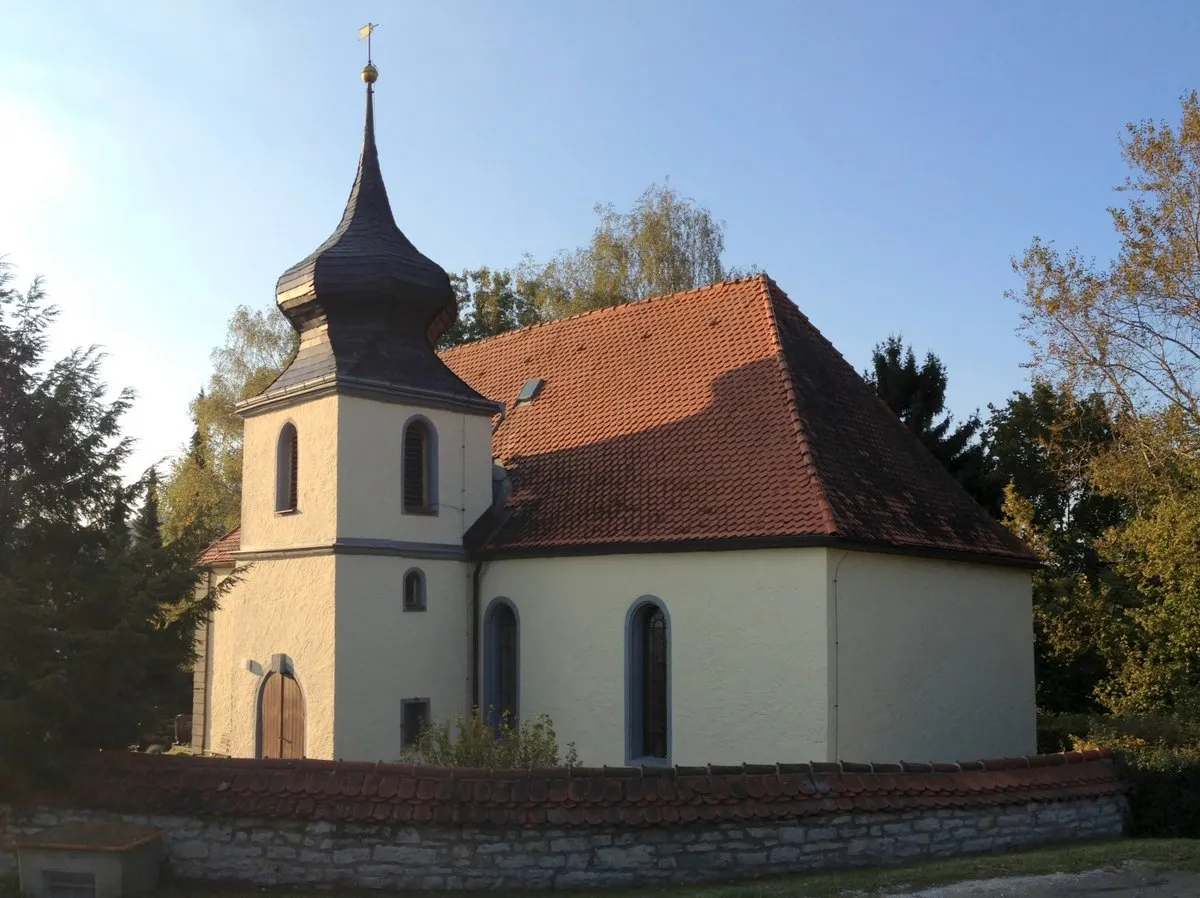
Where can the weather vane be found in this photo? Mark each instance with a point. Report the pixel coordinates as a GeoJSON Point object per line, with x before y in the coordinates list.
{"type": "Point", "coordinates": [370, 73]}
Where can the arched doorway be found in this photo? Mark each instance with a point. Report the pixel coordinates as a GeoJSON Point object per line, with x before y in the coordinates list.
{"type": "Point", "coordinates": [280, 717]}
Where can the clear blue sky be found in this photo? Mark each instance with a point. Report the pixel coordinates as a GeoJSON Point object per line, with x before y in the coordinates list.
{"type": "Point", "coordinates": [882, 161]}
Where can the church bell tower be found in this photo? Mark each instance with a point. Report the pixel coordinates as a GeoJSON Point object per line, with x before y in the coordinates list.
{"type": "Point", "coordinates": [366, 462]}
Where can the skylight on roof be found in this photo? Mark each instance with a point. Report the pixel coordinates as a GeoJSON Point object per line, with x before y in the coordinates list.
{"type": "Point", "coordinates": [530, 390]}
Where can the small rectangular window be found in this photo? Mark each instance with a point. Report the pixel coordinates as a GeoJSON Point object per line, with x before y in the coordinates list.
{"type": "Point", "coordinates": [414, 591]}
{"type": "Point", "coordinates": [414, 717]}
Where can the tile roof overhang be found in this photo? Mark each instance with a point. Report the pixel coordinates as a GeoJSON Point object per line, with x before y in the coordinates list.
{"type": "Point", "coordinates": [222, 552]}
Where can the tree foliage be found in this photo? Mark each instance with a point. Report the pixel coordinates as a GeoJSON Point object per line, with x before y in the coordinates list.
{"type": "Point", "coordinates": [1043, 445]}
{"type": "Point", "coordinates": [664, 244]}
{"type": "Point", "coordinates": [96, 627]}
{"type": "Point", "coordinates": [916, 393]}
{"type": "Point", "coordinates": [1130, 330]}
{"type": "Point", "coordinates": [203, 489]}
{"type": "Point", "coordinates": [147, 527]}
{"type": "Point", "coordinates": [490, 303]}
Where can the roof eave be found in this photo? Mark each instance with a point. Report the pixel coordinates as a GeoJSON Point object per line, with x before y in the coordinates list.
{"type": "Point", "coordinates": [727, 544]}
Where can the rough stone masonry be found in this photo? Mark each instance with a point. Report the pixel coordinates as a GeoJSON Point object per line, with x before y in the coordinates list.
{"type": "Point", "coordinates": [384, 826]}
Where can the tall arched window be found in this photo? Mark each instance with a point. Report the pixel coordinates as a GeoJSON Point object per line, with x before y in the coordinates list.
{"type": "Point", "coordinates": [502, 659]}
{"type": "Point", "coordinates": [420, 467]}
{"type": "Point", "coordinates": [287, 469]}
{"type": "Point", "coordinates": [648, 683]}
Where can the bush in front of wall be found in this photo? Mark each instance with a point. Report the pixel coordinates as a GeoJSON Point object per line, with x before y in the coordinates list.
{"type": "Point", "coordinates": [472, 741]}
{"type": "Point", "coordinates": [1160, 756]}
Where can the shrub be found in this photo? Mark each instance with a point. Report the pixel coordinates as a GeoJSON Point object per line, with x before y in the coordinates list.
{"type": "Point", "coordinates": [471, 741]}
{"type": "Point", "coordinates": [1160, 757]}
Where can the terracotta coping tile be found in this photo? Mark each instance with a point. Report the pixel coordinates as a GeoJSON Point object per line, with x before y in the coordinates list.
{"type": "Point", "coordinates": [323, 790]}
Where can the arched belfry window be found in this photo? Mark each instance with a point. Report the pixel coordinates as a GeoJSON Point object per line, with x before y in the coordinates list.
{"type": "Point", "coordinates": [648, 683]}
{"type": "Point", "coordinates": [287, 469]}
{"type": "Point", "coordinates": [420, 467]}
{"type": "Point", "coordinates": [502, 662]}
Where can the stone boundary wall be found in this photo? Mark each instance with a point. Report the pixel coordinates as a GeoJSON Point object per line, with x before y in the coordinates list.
{"type": "Point", "coordinates": [388, 826]}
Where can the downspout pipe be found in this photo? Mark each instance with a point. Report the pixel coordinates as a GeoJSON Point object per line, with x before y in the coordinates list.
{"type": "Point", "coordinates": [836, 666]}
{"type": "Point", "coordinates": [475, 628]}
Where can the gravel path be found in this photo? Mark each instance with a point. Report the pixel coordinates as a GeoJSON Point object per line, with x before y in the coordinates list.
{"type": "Point", "coordinates": [1132, 881]}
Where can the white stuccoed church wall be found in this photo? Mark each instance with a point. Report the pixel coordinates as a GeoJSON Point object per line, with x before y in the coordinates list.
{"type": "Point", "coordinates": [748, 648]}
{"type": "Point", "coordinates": [279, 607]}
{"type": "Point", "coordinates": [934, 659]}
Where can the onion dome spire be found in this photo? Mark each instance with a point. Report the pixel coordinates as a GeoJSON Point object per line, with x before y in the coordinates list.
{"type": "Point", "coordinates": [367, 260]}
{"type": "Point", "coordinates": [369, 306]}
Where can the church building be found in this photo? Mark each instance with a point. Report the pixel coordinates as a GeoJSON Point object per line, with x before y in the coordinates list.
{"type": "Point", "coordinates": [685, 528]}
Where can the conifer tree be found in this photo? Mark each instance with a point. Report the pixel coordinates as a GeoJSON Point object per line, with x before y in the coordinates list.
{"type": "Point", "coordinates": [96, 630]}
{"type": "Point", "coordinates": [148, 528]}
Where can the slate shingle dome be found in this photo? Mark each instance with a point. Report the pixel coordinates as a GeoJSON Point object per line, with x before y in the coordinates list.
{"type": "Point", "coordinates": [368, 259]}
{"type": "Point", "coordinates": [369, 307]}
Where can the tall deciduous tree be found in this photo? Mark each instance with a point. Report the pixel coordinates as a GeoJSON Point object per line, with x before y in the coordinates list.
{"type": "Point", "coordinates": [490, 303]}
{"type": "Point", "coordinates": [96, 629]}
{"type": "Point", "coordinates": [204, 487]}
{"type": "Point", "coordinates": [1131, 331]}
{"type": "Point", "coordinates": [664, 244]}
{"type": "Point", "coordinates": [1044, 445]}
{"type": "Point", "coordinates": [916, 393]}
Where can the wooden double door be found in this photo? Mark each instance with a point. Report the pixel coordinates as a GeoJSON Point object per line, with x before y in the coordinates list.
{"type": "Point", "coordinates": [280, 717]}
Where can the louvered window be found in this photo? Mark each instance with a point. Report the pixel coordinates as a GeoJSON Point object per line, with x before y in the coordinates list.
{"type": "Point", "coordinates": [287, 469]}
{"type": "Point", "coordinates": [418, 468]}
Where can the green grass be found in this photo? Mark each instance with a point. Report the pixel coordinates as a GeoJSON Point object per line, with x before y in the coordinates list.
{"type": "Point", "coordinates": [1164, 854]}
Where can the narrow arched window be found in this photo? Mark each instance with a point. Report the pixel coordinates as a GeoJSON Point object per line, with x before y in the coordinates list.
{"type": "Point", "coordinates": [501, 662]}
{"type": "Point", "coordinates": [648, 681]}
{"type": "Point", "coordinates": [287, 469]}
{"type": "Point", "coordinates": [420, 456]}
{"type": "Point", "coordinates": [414, 590]}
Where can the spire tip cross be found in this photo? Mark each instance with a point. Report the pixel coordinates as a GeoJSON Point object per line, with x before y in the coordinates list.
{"type": "Point", "coordinates": [365, 32]}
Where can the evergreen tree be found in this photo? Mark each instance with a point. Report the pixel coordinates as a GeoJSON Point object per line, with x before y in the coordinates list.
{"type": "Point", "coordinates": [148, 528]}
{"type": "Point", "coordinates": [916, 393]}
{"type": "Point", "coordinates": [96, 631]}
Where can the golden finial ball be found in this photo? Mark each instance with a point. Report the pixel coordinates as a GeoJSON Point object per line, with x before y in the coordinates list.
{"type": "Point", "coordinates": [370, 74]}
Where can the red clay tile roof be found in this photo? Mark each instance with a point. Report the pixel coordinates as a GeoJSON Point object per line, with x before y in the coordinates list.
{"type": "Point", "coordinates": [392, 793]}
{"type": "Point", "coordinates": [221, 552]}
{"type": "Point", "coordinates": [713, 415]}
{"type": "Point", "coordinates": [717, 415]}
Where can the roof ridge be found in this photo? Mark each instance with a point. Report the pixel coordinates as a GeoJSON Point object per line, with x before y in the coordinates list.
{"type": "Point", "coordinates": [605, 309]}
{"type": "Point", "coordinates": [768, 289]}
